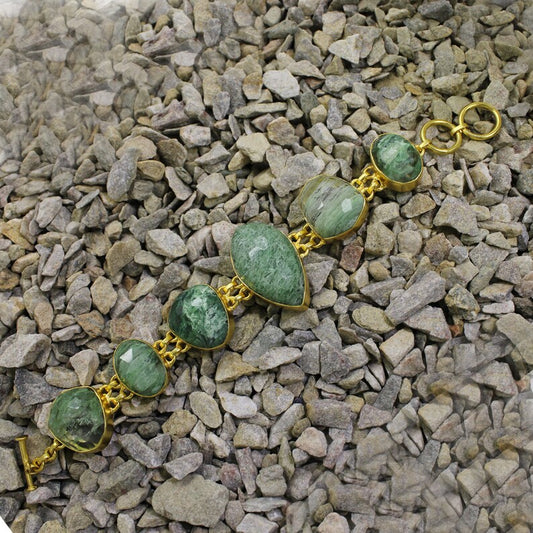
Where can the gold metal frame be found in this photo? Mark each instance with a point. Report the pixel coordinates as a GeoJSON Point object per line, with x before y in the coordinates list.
{"type": "Point", "coordinates": [160, 360]}
{"type": "Point", "coordinates": [108, 423]}
{"type": "Point", "coordinates": [357, 224]}
{"type": "Point", "coordinates": [229, 316]}
{"type": "Point", "coordinates": [307, 296]}
{"type": "Point", "coordinates": [389, 183]}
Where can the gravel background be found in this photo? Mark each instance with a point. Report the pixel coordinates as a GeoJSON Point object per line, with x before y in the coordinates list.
{"type": "Point", "coordinates": [135, 138]}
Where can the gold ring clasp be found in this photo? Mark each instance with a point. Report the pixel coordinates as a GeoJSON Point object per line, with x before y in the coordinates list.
{"type": "Point", "coordinates": [480, 136]}
{"type": "Point", "coordinates": [455, 132]}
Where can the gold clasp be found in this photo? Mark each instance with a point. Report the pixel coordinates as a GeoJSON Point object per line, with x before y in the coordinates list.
{"type": "Point", "coordinates": [457, 131]}
{"type": "Point", "coordinates": [26, 462]}
{"type": "Point", "coordinates": [481, 136]}
{"type": "Point", "coordinates": [32, 468]}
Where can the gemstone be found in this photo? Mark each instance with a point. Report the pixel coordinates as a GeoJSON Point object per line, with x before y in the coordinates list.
{"type": "Point", "coordinates": [267, 263]}
{"type": "Point", "coordinates": [331, 205]}
{"type": "Point", "coordinates": [199, 317]}
{"type": "Point", "coordinates": [396, 158]}
{"type": "Point", "coordinates": [77, 419]}
{"type": "Point", "coordinates": [139, 368]}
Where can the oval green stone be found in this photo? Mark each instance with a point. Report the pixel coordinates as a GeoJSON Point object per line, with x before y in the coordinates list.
{"type": "Point", "coordinates": [266, 262]}
{"type": "Point", "coordinates": [199, 317]}
{"type": "Point", "coordinates": [77, 419]}
{"type": "Point", "coordinates": [331, 205]}
{"type": "Point", "coordinates": [396, 158]}
{"type": "Point", "coordinates": [139, 368]}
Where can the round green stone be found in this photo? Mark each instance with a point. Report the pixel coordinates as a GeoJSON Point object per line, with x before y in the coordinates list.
{"type": "Point", "coordinates": [139, 368]}
{"type": "Point", "coordinates": [267, 263]}
{"type": "Point", "coordinates": [331, 205]}
{"type": "Point", "coordinates": [199, 317]}
{"type": "Point", "coordinates": [77, 419]}
{"type": "Point", "coordinates": [396, 158]}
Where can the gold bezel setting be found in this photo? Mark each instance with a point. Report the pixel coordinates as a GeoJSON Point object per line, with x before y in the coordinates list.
{"type": "Point", "coordinates": [357, 224]}
{"type": "Point", "coordinates": [307, 296]}
{"type": "Point", "coordinates": [126, 386]}
{"type": "Point", "coordinates": [229, 316]}
{"type": "Point", "coordinates": [398, 186]}
{"type": "Point", "coordinates": [108, 423]}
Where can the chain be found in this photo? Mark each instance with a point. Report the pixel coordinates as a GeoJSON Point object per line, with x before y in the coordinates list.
{"type": "Point", "coordinates": [49, 455]}
{"type": "Point", "coordinates": [368, 183]}
{"type": "Point", "coordinates": [234, 293]}
{"type": "Point", "coordinates": [306, 240]}
{"type": "Point", "coordinates": [112, 394]}
{"type": "Point", "coordinates": [169, 356]}
{"type": "Point", "coordinates": [457, 131]}
{"type": "Point", "coordinates": [33, 467]}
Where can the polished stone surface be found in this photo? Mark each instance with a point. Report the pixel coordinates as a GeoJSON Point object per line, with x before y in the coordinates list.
{"type": "Point", "coordinates": [267, 262]}
{"type": "Point", "coordinates": [77, 419]}
{"type": "Point", "coordinates": [396, 158]}
{"type": "Point", "coordinates": [199, 317]}
{"type": "Point", "coordinates": [139, 368]}
{"type": "Point", "coordinates": [331, 205]}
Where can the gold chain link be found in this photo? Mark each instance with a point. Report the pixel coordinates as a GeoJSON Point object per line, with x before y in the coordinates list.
{"type": "Point", "coordinates": [49, 455]}
{"type": "Point", "coordinates": [169, 356]}
{"type": "Point", "coordinates": [306, 240]}
{"type": "Point", "coordinates": [234, 293]}
{"type": "Point", "coordinates": [112, 394]}
{"type": "Point", "coordinates": [368, 183]}
{"type": "Point", "coordinates": [33, 467]}
{"type": "Point", "coordinates": [458, 130]}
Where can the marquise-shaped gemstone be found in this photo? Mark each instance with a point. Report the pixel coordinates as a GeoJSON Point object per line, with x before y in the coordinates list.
{"type": "Point", "coordinates": [267, 263]}
{"type": "Point", "coordinates": [332, 206]}
{"type": "Point", "coordinates": [199, 317]}
{"type": "Point", "coordinates": [77, 419]}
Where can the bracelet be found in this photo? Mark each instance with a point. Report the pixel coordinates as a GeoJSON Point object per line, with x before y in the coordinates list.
{"type": "Point", "coordinates": [267, 263]}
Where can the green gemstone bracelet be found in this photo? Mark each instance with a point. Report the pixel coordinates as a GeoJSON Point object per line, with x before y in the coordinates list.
{"type": "Point", "coordinates": [267, 264]}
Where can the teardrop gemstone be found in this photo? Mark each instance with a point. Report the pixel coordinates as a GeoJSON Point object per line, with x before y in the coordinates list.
{"type": "Point", "coordinates": [332, 206]}
{"type": "Point", "coordinates": [396, 158]}
{"type": "Point", "coordinates": [267, 263]}
{"type": "Point", "coordinates": [139, 368]}
{"type": "Point", "coordinates": [199, 317]}
{"type": "Point", "coordinates": [77, 419]}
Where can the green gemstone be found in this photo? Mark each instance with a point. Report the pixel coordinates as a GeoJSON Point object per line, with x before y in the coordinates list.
{"type": "Point", "coordinates": [266, 262]}
{"type": "Point", "coordinates": [396, 158]}
{"type": "Point", "coordinates": [77, 419]}
{"type": "Point", "coordinates": [331, 205]}
{"type": "Point", "coordinates": [139, 368]}
{"type": "Point", "coordinates": [199, 317]}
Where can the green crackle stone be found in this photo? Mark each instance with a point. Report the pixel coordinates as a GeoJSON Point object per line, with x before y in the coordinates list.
{"type": "Point", "coordinates": [331, 205]}
{"type": "Point", "coordinates": [396, 158]}
{"type": "Point", "coordinates": [77, 419]}
{"type": "Point", "coordinates": [199, 317]}
{"type": "Point", "coordinates": [139, 368]}
{"type": "Point", "coordinates": [266, 262]}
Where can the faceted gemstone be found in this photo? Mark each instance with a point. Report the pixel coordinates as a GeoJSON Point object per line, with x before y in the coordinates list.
{"type": "Point", "coordinates": [266, 262]}
{"type": "Point", "coordinates": [331, 205]}
{"type": "Point", "coordinates": [199, 317]}
{"type": "Point", "coordinates": [139, 368]}
{"type": "Point", "coordinates": [77, 419]}
{"type": "Point", "coordinates": [396, 158]}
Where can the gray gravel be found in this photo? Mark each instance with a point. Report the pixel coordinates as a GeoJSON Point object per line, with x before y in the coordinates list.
{"type": "Point", "coordinates": [135, 138]}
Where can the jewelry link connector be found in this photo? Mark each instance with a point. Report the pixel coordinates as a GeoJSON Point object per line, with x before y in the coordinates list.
{"type": "Point", "coordinates": [457, 131]}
